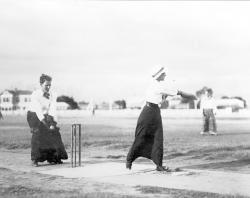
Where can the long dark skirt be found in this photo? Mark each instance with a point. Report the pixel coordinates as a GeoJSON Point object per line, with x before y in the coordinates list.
{"type": "Point", "coordinates": [148, 141]}
{"type": "Point", "coordinates": [45, 144]}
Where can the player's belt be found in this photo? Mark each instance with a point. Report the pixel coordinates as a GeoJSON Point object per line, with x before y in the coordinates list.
{"type": "Point", "coordinates": [150, 104]}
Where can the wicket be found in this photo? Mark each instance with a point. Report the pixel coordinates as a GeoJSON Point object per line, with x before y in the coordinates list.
{"type": "Point", "coordinates": [75, 129]}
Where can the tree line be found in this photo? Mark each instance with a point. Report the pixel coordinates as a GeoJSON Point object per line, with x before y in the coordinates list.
{"type": "Point", "coordinates": [121, 104]}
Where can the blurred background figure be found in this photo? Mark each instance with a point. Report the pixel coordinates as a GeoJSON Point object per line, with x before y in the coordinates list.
{"type": "Point", "coordinates": [1, 116]}
{"type": "Point", "coordinates": [92, 107]}
{"type": "Point", "coordinates": [209, 110]}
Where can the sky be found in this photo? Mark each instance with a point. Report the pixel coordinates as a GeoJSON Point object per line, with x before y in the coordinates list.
{"type": "Point", "coordinates": [103, 50]}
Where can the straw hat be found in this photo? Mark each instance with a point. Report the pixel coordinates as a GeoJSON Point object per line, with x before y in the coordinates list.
{"type": "Point", "coordinates": [157, 71]}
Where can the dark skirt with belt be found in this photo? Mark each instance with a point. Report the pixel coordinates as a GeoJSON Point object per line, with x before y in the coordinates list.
{"type": "Point", "coordinates": [148, 141]}
{"type": "Point", "coordinates": [45, 144]}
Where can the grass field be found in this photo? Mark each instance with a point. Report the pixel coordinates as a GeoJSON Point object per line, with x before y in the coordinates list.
{"type": "Point", "coordinates": [109, 138]}
{"type": "Point", "coordinates": [105, 137]}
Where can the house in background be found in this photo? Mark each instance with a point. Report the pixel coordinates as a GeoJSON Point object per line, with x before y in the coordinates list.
{"type": "Point", "coordinates": [14, 101]}
{"type": "Point", "coordinates": [103, 106]}
{"type": "Point", "coordinates": [177, 102]}
{"type": "Point", "coordinates": [233, 104]}
{"type": "Point", "coordinates": [6, 101]}
{"type": "Point", "coordinates": [17, 102]}
{"type": "Point", "coordinates": [61, 106]}
{"type": "Point", "coordinates": [83, 105]}
{"type": "Point", "coordinates": [24, 99]}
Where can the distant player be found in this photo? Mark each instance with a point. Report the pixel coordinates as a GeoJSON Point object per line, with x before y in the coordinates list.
{"type": "Point", "coordinates": [1, 116]}
{"type": "Point", "coordinates": [209, 110]}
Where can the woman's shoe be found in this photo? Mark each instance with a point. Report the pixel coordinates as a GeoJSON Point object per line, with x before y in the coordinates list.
{"type": "Point", "coordinates": [163, 168]}
{"type": "Point", "coordinates": [34, 163]}
{"type": "Point", "coordinates": [128, 165]}
{"type": "Point", "coordinates": [51, 162]}
{"type": "Point", "coordinates": [59, 162]}
{"type": "Point", "coordinates": [212, 133]}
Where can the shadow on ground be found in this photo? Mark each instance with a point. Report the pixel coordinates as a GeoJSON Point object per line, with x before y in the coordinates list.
{"type": "Point", "coordinates": [231, 165]}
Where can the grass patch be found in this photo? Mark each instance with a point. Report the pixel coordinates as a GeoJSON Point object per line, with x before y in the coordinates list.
{"type": "Point", "coordinates": [23, 191]}
{"type": "Point", "coordinates": [176, 193]}
{"type": "Point", "coordinates": [115, 156]}
{"type": "Point", "coordinates": [113, 138]}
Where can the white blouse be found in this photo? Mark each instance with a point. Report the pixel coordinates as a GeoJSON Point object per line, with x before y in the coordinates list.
{"type": "Point", "coordinates": [159, 88]}
{"type": "Point", "coordinates": [208, 103]}
{"type": "Point", "coordinates": [42, 105]}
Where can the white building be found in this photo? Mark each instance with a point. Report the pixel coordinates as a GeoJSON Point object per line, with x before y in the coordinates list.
{"type": "Point", "coordinates": [6, 101]}
{"type": "Point", "coordinates": [230, 103]}
{"type": "Point", "coordinates": [12, 101]}
{"type": "Point", "coordinates": [61, 106]}
{"type": "Point", "coordinates": [18, 101]}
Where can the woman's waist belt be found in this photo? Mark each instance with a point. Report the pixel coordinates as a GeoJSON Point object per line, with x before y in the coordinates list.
{"type": "Point", "coordinates": [150, 104]}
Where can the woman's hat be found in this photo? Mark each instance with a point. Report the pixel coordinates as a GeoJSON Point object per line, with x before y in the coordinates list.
{"type": "Point", "coordinates": [157, 71]}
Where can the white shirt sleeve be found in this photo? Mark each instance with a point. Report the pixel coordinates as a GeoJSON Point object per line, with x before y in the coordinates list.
{"type": "Point", "coordinates": [214, 106]}
{"type": "Point", "coordinates": [157, 89]}
{"type": "Point", "coordinates": [52, 109]}
{"type": "Point", "coordinates": [201, 105]}
{"type": "Point", "coordinates": [36, 105]}
{"type": "Point", "coordinates": [168, 88]}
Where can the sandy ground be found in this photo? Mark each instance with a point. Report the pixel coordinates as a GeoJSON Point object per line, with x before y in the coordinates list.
{"type": "Point", "coordinates": [142, 174]}
{"type": "Point", "coordinates": [97, 177]}
{"type": "Point", "coordinates": [19, 179]}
